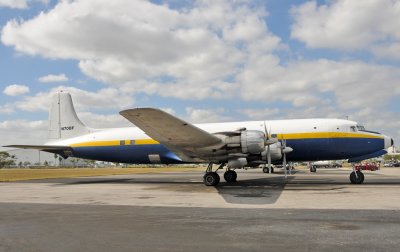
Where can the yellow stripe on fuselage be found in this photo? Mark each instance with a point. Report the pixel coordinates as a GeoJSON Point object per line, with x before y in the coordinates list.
{"type": "Point", "coordinates": [145, 141]}
{"type": "Point", "coordinates": [114, 143]}
{"type": "Point", "coordinates": [287, 136]}
{"type": "Point", "coordinates": [309, 135]}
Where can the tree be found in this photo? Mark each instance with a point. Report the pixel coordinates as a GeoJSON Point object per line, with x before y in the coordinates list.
{"type": "Point", "coordinates": [55, 159]}
{"type": "Point", "coordinates": [6, 159]}
{"type": "Point", "coordinates": [46, 163]}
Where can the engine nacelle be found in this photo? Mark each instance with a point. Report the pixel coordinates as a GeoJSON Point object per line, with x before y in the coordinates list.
{"type": "Point", "coordinates": [249, 141]}
{"type": "Point", "coordinates": [252, 141]}
{"type": "Point", "coordinates": [276, 152]}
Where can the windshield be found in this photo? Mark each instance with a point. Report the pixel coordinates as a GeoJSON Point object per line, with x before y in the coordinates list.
{"type": "Point", "coordinates": [360, 127]}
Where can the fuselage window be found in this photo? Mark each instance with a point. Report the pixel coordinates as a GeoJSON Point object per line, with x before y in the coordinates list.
{"type": "Point", "coordinates": [122, 142]}
{"type": "Point", "coordinates": [132, 142]}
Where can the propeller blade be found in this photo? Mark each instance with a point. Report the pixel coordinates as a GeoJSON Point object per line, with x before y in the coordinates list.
{"type": "Point", "coordinates": [269, 158]}
{"type": "Point", "coordinates": [284, 164]}
{"type": "Point", "coordinates": [266, 131]}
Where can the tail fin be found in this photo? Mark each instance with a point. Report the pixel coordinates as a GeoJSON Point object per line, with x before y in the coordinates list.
{"type": "Point", "coordinates": [63, 121]}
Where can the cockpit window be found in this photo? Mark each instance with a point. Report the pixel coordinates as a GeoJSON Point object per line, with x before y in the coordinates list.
{"type": "Point", "coordinates": [360, 127]}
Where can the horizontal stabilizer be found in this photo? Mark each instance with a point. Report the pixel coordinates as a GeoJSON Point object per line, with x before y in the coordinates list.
{"type": "Point", "coordinates": [48, 148]}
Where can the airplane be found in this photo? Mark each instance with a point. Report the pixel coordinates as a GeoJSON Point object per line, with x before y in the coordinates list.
{"type": "Point", "coordinates": [161, 138]}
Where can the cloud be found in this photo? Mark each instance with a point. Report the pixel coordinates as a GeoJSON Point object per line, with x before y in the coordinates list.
{"type": "Point", "coordinates": [14, 4]}
{"type": "Point", "coordinates": [106, 98]}
{"type": "Point", "coordinates": [6, 109]}
{"type": "Point", "coordinates": [15, 90]}
{"type": "Point", "coordinates": [347, 84]}
{"type": "Point", "coordinates": [53, 78]}
{"type": "Point", "coordinates": [220, 50]}
{"type": "Point", "coordinates": [23, 132]}
{"type": "Point", "coordinates": [261, 114]}
{"type": "Point", "coordinates": [196, 115]}
{"type": "Point", "coordinates": [19, 4]}
{"type": "Point", "coordinates": [142, 42]}
{"type": "Point", "coordinates": [349, 25]}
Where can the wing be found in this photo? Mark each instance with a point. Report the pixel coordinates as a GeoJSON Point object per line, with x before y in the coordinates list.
{"type": "Point", "coordinates": [177, 135]}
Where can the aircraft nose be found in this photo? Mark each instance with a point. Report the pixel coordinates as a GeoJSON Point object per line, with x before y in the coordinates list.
{"type": "Point", "coordinates": [388, 142]}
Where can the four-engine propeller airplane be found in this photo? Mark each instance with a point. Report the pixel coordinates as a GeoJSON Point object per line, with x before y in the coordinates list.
{"type": "Point", "coordinates": [163, 138]}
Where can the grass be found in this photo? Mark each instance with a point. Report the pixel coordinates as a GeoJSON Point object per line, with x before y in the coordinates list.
{"type": "Point", "coordinates": [9, 175]}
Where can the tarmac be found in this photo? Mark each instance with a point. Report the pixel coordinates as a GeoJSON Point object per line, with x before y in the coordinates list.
{"type": "Point", "coordinates": [177, 212]}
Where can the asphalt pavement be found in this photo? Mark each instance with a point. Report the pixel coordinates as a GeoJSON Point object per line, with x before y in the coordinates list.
{"type": "Point", "coordinates": [176, 212]}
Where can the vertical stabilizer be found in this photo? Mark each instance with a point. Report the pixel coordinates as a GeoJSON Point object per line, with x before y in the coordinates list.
{"type": "Point", "coordinates": [63, 121]}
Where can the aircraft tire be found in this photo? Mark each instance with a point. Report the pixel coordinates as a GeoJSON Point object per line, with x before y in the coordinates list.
{"type": "Point", "coordinates": [211, 179]}
{"type": "Point", "coordinates": [313, 169]}
{"type": "Point", "coordinates": [230, 176]}
{"type": "Point", "coordinates": [266, 170]}
{"type": "Point", "coordinates": [357, 180]}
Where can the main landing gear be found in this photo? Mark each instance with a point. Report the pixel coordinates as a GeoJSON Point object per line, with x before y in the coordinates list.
{"type": "Point", "coordinates": [211, 178]}
{"type": "Point", "coordinates": [266, 169]}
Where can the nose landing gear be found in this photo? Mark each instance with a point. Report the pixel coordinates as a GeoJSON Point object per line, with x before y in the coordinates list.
{"type": "Point", "coordinates": [356, 177]}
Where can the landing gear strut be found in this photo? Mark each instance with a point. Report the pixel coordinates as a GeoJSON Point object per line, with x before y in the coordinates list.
{"type": "Point", "coordinates": [212, 178]}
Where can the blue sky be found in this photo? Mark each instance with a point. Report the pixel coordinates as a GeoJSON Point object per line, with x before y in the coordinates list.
{"type": "Point", "coordinates": [204, 61]}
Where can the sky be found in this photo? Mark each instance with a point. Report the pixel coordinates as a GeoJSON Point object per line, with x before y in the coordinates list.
{"type": "Point", "coordinates": [203, 61]}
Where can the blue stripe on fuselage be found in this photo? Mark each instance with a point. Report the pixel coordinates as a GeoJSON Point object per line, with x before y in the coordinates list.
{"type": "Point", "coordinates": [303, 150]}
{"type": "Point", "coordinates": [332, 148]}
{"type": "Point", "coordinates": [134, 154]}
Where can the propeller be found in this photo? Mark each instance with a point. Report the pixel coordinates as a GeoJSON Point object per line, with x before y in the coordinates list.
{"type": "Point", "coordinates": [285, 150]}
{"type": "Point", "coordinates": [284, 156]}
{"type": "Point", "coordinates": [268, 142]}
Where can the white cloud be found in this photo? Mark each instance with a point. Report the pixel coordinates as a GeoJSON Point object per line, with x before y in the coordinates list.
{"type": "Point", "coordinates": [196, 115]}
{"type": "Point", "coordinates": [349, 84]}
{"type": "Point", "coordinates": [6, 109]}
{"type": "Point", "coordinates": [53, 78]}
{"type": "Point", "coordinates": [19, 4]}
{"type": "Point", "coordinates": [15, 90]}
{"type": "Point", "coordinates": [15, 4]}
{"type": "Point", "coordinates": [106, 98]}
{"type": "Point", "coordinates": [142, 42]}
{"type": "Point", "coordinates": [219, 50]}
{"type": "Point", "coordinates": [261, 114]}
{"type": "Point", "coordinates": [99, 121]}
{"type": "Point", "coordinates": [23, 132]}
{"type": "Point", "coordinates": [349, 25]}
